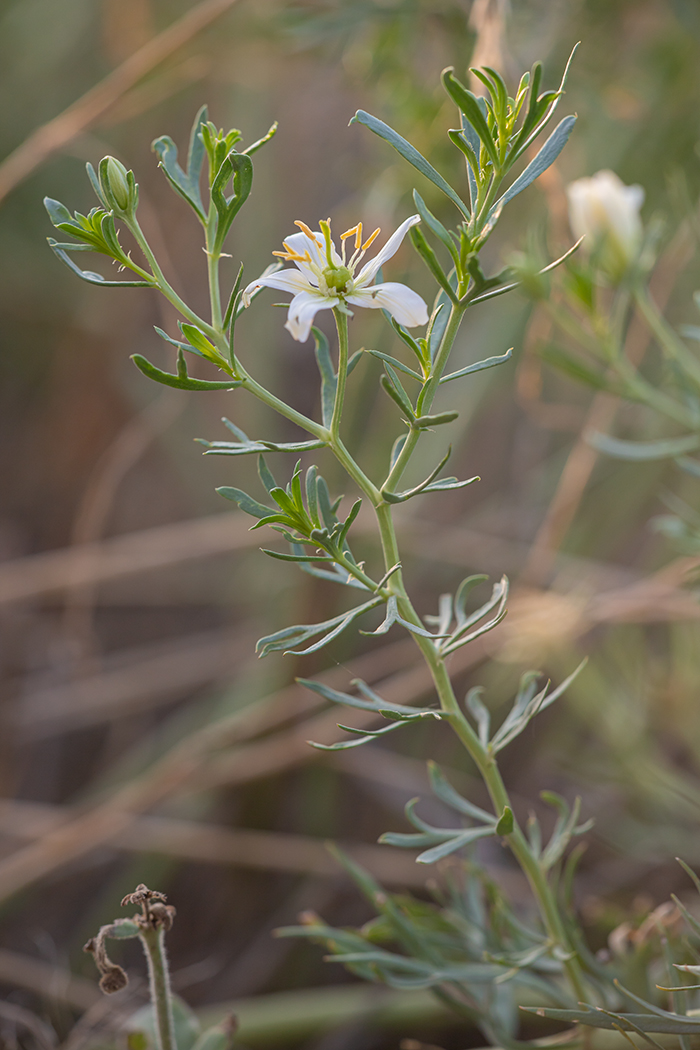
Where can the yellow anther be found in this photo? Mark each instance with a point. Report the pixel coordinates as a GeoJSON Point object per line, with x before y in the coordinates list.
{"type": "Point", "coordinates": [357, 231]}
{"type": "Point", "coordinates": [369, 240]}
{"type": "Point", "coordinates": [305, 229]}
{"type": "Point", "coordinates": [292, 256]}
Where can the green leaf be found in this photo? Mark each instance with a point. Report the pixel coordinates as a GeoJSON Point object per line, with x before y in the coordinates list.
{"type": "Point", "coordinates": [329, 380]}
{"type": "Point", "coordinates": [664, 448]}
{"type": "Point", "coordinates": [479, 712]}
{"type": "Point", "coordinates": [179, 381]}
{"type": "Point", "coordinates": [364, 737]}
{"type": "Point", "coordinates": [295, 557]}
{"type": "Point", "coordinates": [540, 109]}
{"type": "Point", "coordinates": [244, 501]}
{"type": "Point", "coordinates": [255, 146]}
{"type": "Point", "coordinates": [468, 104]}
{"type": "Point", "coordinates": [671, 1024]}
{"type": "Point", "coordinates": [431, 261]}
{"type": "Point", "coordinates": [218, 1037]}
{"type": "Point", "coordinates": [411, 154]}
{"type": "Point", "coordinates": [422, 422]}
{"type": "Point", "coordinates": [238, 167]}
{"type": "Point", "coordinates": [394, 388]}
{"type": "Point", "coordinates": [88, 275]}
{"type": "Point", "coordinates": [186, 184]}
{"type": "Point", "coordinates": [431, 856]}
{"type": "Point", "coordinates": [479, 366]}
{"type": "Point", "coordinates": [395, 363]}
{"type": "Point", "coordinates": [435, 225]}
{"type": "Point", "coordinates": [245, 448]}
{"type": "Point", "coordinates": [300, 633]}
{"type": "Point", "coordinates": [546, 157]}
{"type": "Point", "coordinates": [426, 486]}
{"type": "Point", "coordinates": [506, 823]}
{"type": "Point", "coordinates": [199, 341]}
{"type": "Point", "coordinates": [373, 702]}
{"type": "Point", "coordinates": [447, 794]}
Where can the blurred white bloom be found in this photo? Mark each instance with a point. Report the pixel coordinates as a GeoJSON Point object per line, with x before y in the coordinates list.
{"type": "Point", "coordinates": [324, 278]}
{"type": "Point", "coordinates": [607, 212]}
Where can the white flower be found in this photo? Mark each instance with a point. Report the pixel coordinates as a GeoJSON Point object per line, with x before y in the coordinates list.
{"type": "Point", "coordinates": [607, 212]}
{"type": "Point", "coordinates": [324, 278]}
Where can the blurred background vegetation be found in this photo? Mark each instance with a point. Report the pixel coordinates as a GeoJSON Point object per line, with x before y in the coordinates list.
{"type": "Point", "coordinates": [142, 740]}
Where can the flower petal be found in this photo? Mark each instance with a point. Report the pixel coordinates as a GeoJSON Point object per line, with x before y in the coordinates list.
{"type": "Point", "coordinates": [369, 272]}
{"type": "Point", "coordinates": [302, 310]}
{"type": "Point", "coordinates": [405, 305]}
{"type": "Point", "coordinates": [284, 280]}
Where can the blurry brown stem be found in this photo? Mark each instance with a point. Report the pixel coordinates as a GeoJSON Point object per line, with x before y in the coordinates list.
{"type": "Point", "coordinates": [58, 132]}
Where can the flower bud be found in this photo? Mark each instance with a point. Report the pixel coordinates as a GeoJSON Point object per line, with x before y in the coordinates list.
{"type": "Point", "coordinates": [114, 181]}
{"type": "Point", "coordinates": [607, 212]}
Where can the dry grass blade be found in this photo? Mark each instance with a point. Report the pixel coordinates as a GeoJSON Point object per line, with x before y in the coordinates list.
{"type": "Point", "coordinates": [17, 1015]}
{"type": "Point", "coordinates": [131, 682]}
{"type": "Point", "coordinates": [209, 843]}
{"type": "Point", "coordinates": [180, 768]}
{"type": "Point", "coordinates": [48, 981]}
{"type": "Point", "coordinates": [53, 572]}
{"type": "Point", "coordinates": [58, 132]}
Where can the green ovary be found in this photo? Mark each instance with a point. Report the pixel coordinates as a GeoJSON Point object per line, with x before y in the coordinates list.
{"type": "Point", "coordinates": [337, 277]}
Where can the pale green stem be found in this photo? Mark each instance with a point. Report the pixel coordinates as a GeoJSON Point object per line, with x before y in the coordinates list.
{"type": "Point", "coordinates": [427, 395]}
{"type": "Point", "coordinates": [670, 343]}
{"type": "Point", "coordinates": [152, 940]}
{"type": "Point", "coordinates": [213, 269]}
{"type": "Point", "coordinates": [169, 292]}
{"type": "Point", "coordinates": [484, 760]}
{"type": "Point", "coordinates": [341, 322]}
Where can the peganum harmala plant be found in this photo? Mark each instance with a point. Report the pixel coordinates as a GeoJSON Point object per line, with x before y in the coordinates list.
{"type": "Point", "coordinates": [471, 947]}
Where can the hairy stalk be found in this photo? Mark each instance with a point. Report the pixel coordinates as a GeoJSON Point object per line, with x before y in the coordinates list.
{"type": "Point", "coordinates": [152, 939]}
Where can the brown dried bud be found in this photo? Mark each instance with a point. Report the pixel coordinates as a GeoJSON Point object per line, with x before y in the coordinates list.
{"type": "Point", "coordinates": [162, 915]}
{"type": "Point", "coordinates": [113, 980]}
{"type": "Point", "coordinates": [143, 895]}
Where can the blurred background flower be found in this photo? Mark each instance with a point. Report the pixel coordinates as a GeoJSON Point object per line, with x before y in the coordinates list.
{"type": "Point", "coordinates": [606, 213]}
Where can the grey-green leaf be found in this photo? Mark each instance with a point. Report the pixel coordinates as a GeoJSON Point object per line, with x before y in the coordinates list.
{"type": "Point", "coordinates": [411, 154]}
{"type": "Point", "coordinates": [665, 448]}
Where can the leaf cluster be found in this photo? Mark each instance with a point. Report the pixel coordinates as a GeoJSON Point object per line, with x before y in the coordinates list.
{"type": "Point", "coordinates": [467, 945]}
{"type": "Point", "coordinates": [495, 132]}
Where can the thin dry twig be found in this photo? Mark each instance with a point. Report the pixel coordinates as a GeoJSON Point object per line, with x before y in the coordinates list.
{"type": "Point", "coordinates": [83, 113]}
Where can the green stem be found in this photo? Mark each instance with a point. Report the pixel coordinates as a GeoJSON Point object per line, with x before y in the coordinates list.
{"type": "Point", "coordinates": [152, 939]}
{"type": "Point", "coordinates": [341, 323]}
{"type": "Point", "coordinates": [169, 292]}
{"type": "Point", "coordinates": [213, 257]}
{"type": "Point", "coordinates": [487, 766]}
{"type": "Point", "coordinates": [269, 399]}
{"type": "Point", "coordinates": [427, 394]}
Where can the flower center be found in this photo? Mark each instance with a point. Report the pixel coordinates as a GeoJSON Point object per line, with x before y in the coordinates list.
{"type": "Point", "coordinates": [337, 277]}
